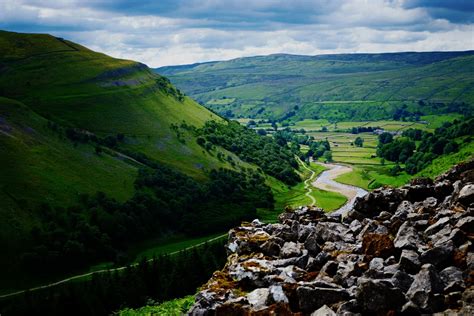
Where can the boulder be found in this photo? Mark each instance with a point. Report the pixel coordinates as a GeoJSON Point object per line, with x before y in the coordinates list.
{"type": "Point", "coordinates": [409, 261]}
{"type": "Point", "coordinates": [407, 237]}
{"type": "Point", "coordinates": [323, 311]}
{"type": "Point", "coordinates": [277, 295]}
{"type": "Point", "coordinates": [426, 284]}
{"type": "Point", "coordinates": [310, 299]}
{"type": "Point", "coordinates": [466, 224]}
{"type": "Point", "coordinates": [439, 256]}
{"type": "Point", "coordinates": [452, 279]}
{"type": "Point", "coordinates": [326, 231]}
{"type": "Point", "coordinates": [258, 298]}
{"type": "Point", "coordinates": [466, 195]}
{"type": "Point", "coordinates": [311, 244]}
{"type": "Point", "coordinates": [290, 249]}
{"type": "Point", "coordinates": [436, 227]}
{"type": "Point", "coordinates": [377, 296]}
{"type": "Point", "coordinates": [379, 245]}
{"type": "Point", "coordinates": [402, 280]}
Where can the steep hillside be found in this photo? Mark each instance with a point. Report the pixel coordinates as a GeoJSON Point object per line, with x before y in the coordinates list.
{"type": "Point", "coordinates": [343, 87]}
{"type": "Point", "coordinates": [99, 153]}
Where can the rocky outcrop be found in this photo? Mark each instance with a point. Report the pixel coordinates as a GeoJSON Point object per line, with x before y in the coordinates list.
{"type": "Point", "coordinates": [399, 251]}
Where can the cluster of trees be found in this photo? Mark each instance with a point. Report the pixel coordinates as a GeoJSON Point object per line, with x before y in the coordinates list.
{"type": "Point", "coordinates": [363, 129]}
{"type": "Point", "coordinates": [165, 202]}
{"type": "Point", "coordinates": [164, 84]}
{"type": "Point", "coordinates": [160, 279]}
{"type": "Point", "coordinates": [359, 142]}
{"type": "Point", "coordinates": [271, 154]}
{"type": "Point", "coordinates": [431, 145]}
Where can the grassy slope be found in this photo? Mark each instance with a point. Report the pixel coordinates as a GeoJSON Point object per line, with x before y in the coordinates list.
{"type": "Point", "coordinates": [277, 83]}
{"type": "Point", "coordinates": [48, 79]}
{"type": "Point", "coordinates": [369, 177]}
{"type": "Point", "coordinates": [174, 307]}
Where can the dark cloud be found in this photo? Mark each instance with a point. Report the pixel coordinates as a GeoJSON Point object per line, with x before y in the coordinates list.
{"type": "Point", "coordinates": [455, 11]}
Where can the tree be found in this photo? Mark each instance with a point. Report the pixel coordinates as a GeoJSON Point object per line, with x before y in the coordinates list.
{"type": "Point", "coordinates": [385, 138]}
{"type": "Point", "coordinates": [262, 132]}
{"type": "Point", "coordinates": [359, 142]}
{"type": "Point", "coordinates": [327, 156]}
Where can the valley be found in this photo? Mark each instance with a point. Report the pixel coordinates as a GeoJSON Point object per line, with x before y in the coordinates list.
{"type": "Point", "coordinates": [111, 174]}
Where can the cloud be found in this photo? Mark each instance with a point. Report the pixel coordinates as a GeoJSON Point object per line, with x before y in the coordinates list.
{"type": "Point", "coordinates": [169, 32]}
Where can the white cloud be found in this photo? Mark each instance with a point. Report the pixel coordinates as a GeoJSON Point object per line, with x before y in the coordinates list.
{"type": "Point", "coordinates": [159, 34]}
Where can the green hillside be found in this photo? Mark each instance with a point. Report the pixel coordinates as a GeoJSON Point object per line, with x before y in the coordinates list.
{"type": "Point", "coordinates": [73, 123]}
{"type": "Point", "coordinates": [336, 87]}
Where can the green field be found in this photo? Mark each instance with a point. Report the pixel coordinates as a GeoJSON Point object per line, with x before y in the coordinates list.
{"type": "Point", "coordinates": [340, 87]}
{"type": "Point", "coordinates": [296, 196]}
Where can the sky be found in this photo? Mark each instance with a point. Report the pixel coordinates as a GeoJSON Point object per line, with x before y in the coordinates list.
{"type": "Point", "coordinates": [173, 32]}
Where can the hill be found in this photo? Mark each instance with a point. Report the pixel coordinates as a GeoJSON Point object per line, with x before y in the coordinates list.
{"type": "Point", "coordinates": [337, 87]}
{"type": "Point", "coordinates": [99, 153]}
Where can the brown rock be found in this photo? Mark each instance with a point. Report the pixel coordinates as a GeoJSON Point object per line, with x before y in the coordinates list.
{"type": "Point", "coordinates": [378, 245]}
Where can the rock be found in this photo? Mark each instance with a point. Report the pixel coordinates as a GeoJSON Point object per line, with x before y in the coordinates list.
{"type": "Point", "coordinates": [317, 262]}
{"type": "Point", "coordinates": [376, 264]}
{"type": "Point", "coordinates": [290, 249]}
{"type": "Point", "coordinates": [310, 299]}
{"type": "Point", "coordinates": [436, 227]}
{"type": "Point", "coordinates": [355, 226]}
{"type": "Point", "coordinates": [323, 311]}
{"type": "Point", "coordinates": [384, 216]}
{"type": "Point", "coordinates": [271, 248]}
{"type": "Point", "coordinates": [377, 296]}
{"type": "Point", "coordinates": [452, 279]}
{"type": "Point", "coordinates": [258, 298]}
{"type": "Point", "coordinates": [439, 255]}
{"type": "Point", "coordinates": [407, 237]}
{"type": "Point", "coordinates": [311, 244]}
{"type": "Point", "coordinates": [466, 195]}
{"type": "Point", "coordinates": [379, 245]}
{"type": "Point", "coordinates": [426, 284]}
{"type": "Point", "coordinates": [402, 280]}
{"type": "Point", "coordinates": [304, 231]}
{"type": "Point", "coordinates": [456, 236]}
{"type": "Point", "coordinates": [409, 261]}
{"type": "Point", "coordinates": [466, 224]}
{"type": "Point", "coordinates": [333, 232]}
{"type": "Point", "coordinates": [277, 295]}
{"type": "Point", "coordinates": [430, 202]}
{"type": "Point", "coordinates": [330, 268]}
{"type": "Point", "coordinates": [400, 251]}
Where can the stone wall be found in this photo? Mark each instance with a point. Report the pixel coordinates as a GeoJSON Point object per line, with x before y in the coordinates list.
{"type": "Point", "coordinates": [398, 251]}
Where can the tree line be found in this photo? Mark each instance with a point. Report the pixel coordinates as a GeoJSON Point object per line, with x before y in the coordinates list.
{"type": "Point", "coordinates": [417, 148]}
{"type": "Point", "coordinates": [272, 155]}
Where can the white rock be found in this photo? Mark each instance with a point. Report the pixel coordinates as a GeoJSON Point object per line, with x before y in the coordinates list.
{"type": "Point", "coordinates": [323, 311]}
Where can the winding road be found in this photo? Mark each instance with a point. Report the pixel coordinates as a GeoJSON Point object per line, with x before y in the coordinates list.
{"type": "Point", "coordinates": [326, 182]}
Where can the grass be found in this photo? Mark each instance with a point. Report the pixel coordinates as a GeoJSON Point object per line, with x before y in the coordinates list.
{"type": "Point", "coordinates": [296, 195]}
{"type": "Point", "coordinates": [343, 87]}
{"type": "Point", "coordinates": [176, 307]}
{"type": "Point", "coordinates": [444, 163]}
{"type": "Point", "coordinates": [329, 201]}
{"type": "Point", "coordinates": [370, 177]}
{"type": "Point", "coordinates": [89, 91]}
{"type": "Point", "coordinates": [153, 248]}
